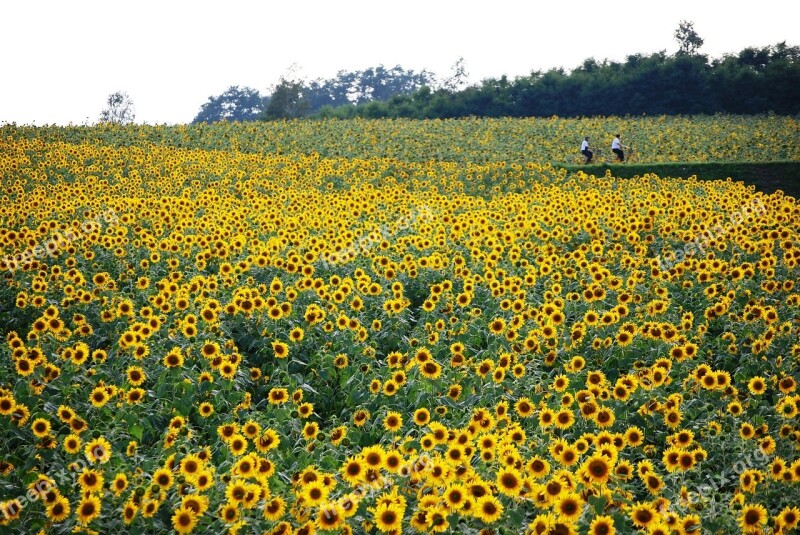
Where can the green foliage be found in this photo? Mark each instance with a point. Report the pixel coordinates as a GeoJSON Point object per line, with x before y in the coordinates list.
{"type": "Point", "coordinates": [119, 109]}
{"type": "Point", "coordinates": [757, 80]}
{"type": "Point", "coordinates": [286, 102]}
{"type": "Point", "coordinates": [235, 104]}
{"type": "Point", "coordinates": [362, 87]}
{"type": "Point", "coordinates": [688, 39]}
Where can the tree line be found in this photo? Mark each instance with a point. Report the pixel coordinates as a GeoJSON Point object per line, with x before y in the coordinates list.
{"type": "Point", "coordinates": [756, 80]}
{"type": "Point", "coordinates": [292, 98]}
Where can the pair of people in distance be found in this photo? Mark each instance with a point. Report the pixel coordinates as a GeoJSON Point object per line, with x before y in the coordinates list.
{"type": "Point", "coordinates": [616, 147]}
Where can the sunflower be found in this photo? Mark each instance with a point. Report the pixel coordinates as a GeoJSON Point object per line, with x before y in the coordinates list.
{"type": "Point", "coordinates": [497, 326]}
{"type": "Point", "coordinates": [205, 409]}
{"type": "Point", "coordinates": [602, 525]}
{"type": "Point", "coordinates": [274, 509]}
{"type": "Point", "coordinates": [430, 369]}
{"type": "Point", "coordinates": [10, 510]}
{"type": "Point", "coordinates": [338, 434]}
{"type": "Point", "coordinates": [643, 515]}
{"type": "Point", "coordinates": [683, 438]}
{"type": "Point", "coordinates": [278, 396]}
{"type": "Point", "coordinates": [388, 517]}
{"type": "Point", "coordinates": [393, 421]}
{"type": "Point", "coordinates": [353, 470]}
{"type": "Point", "coordinates": [564, 419]}
{"type": "Point", "coordinates": [422, 416]}
{"type": "Point", "coordinates": [687, 525]}
{"type": "Point", "coordinates": [373, 457]}
{"type": "Point", "coordinates": [686, 461]}
{"type": "Point", "coordinates": [654, 483]}
{"type": "Point", "coordinates": [569, 507]}
{"type": "Point", "coordinates": [787, 385]}
{"type": "Point", "coordinates": [238, 444]}
{"type": "Point", "coordinates": [98, 450]}
{"type": "Point", "coordinates": [488, 509]}
{"type": "Point", "coordinates": [455, 495]}
{"type": "Point", "coordinates": [88, 509]}
{"type": "Point", "coordinates": [349, 503]}
{"type": "Point", "coordinates": [634, 436]}
{"type": "Point", "coordinates": [72, 443]}
{"type": "Point", "coordinates": [509, 481]}
{"type": "Point", "coordinates": [604, 417]}
{"type": "Point", "coordinates": [204, 480]}
{"type": "Point", "coordinates": [671, 459]}
{"type": "Point", "coordinates": [236, 491]}
{"type": "Point", "coordinates": [538, 467]}
{"type": "Point", "coordinates": [310, 430]}
{"type": "Point", "coordinates": [524, 407]}
{"type": "Point", "coordinates": [135, 396]}
{"type": "Point", "coordinates": [789, 518]}
{"type": "Point", "coordinates": [129, 511]}
{"type": "Point", "coordinates": [753, 518]}
{"type": "Point", "coordinates": [757, 385]}
{"type": "Point", "coordinates": [264, 470]}
{"type": "Point", "coordinates": [296, 335]}
{"type": "Point", "coordinates": [58, 510]}
{"type": "Point", "coordinates": [673, 418]}
{"type": "Point", "coordinates": [746, 431]}
{"type": "Point", "coordinates": [229, 513]}
{"type": "Point", "coordinates": [119, 484]}
{"type": "Point", "coordinates": [568, 456]}
{"type": "Point", "coordinates": [163, 478]}
{"type": "Point", "coordinates": [173, 359]}
{"type": "Point", "coordinates": [331, 516]}
{"type": "Point", "coordinates": [597, 468]}
{"type": "Point", "coordinates": [389, 387]}
{"type": "Point", "coordinates": [205, 377]}
{"type": "Point", "coordinates": [437, 519]}
{"type": "Point", "coordinates": [280, 349]}
{"type": "Point", "coordinates": [314, 493]}
{"type": "Point", "coordinates": [8, 405]}
{"type": "Point", "coordinates": [40, 427]}
{"type": "Point", "coordinates": [660, 528]}
{"type": "Point", "coordinates": [91, 480]}
{"type": "Point", "coordinates": [184, 520]}
{"type": "Point", "coordinates": [245, 466]}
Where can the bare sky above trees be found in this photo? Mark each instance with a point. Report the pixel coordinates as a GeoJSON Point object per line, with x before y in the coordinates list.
{"type": "Point", "coordinates": [61, 60]}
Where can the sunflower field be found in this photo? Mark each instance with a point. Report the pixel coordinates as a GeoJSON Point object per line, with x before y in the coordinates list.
{"type": "Point", "coordinates": [395, 327]}
{"type": "Point", "coordinates": [658, 139]}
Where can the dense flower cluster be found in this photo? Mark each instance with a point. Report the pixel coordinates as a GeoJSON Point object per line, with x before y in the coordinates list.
{"type": "Point", "coordinates": [201, 340]}
{"type": "Point", "coordinates": [478, 140]}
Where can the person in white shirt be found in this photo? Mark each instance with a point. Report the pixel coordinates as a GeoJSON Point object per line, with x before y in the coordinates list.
{"type": "Point", "coordinates": [616, 148]}
{"type": "Point", "coordinates": [586, 150]}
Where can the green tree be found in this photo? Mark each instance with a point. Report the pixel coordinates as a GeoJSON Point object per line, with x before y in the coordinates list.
{"type": "Point", "coordinates": [689, 41]}
{"type": "Point", "coordinates": [235, 104]}
{"type": "Point", "coordinates": [458, 77]}
{"type": "Point", "coordinates": [362, 87]}
{"type": "Point", "coordinates": [119, 109]}
{"type": "Point", "coordinates": [287, 101]}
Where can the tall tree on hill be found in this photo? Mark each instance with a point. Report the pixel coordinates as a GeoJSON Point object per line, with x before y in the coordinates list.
{"type": "Point", "coordinates": [287, 101]}
{"type": "Point", "coordinates": [235, 104]}
{"type": "Point", "coordinates": [689, 41]}
{"type": "Point", "coordinates": [458, 77]}
{"type": "Point", "coordinates": [119, 109]}
{"type": "Point", "coordinates": [362, 87]}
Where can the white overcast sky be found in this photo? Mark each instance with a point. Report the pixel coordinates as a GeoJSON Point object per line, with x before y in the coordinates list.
{"type": "Point", "coordinates": [60, 59]}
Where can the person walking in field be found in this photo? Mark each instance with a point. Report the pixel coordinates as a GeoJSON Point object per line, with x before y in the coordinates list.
{"type": "Point", "coordinates": [586, 150]}
{"type": "Point", "coordinates": [617, 146]}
